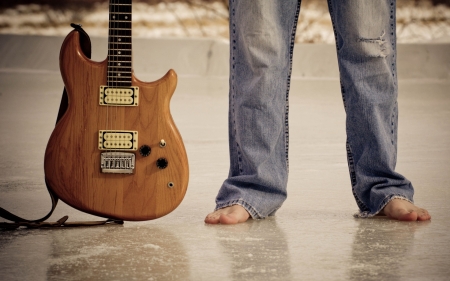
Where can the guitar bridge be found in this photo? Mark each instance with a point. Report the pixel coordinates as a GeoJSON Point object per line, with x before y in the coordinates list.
{"type": "Point", "coordinates": [117, 162]}
{"type": "Point", "coordinates": [123, 96]}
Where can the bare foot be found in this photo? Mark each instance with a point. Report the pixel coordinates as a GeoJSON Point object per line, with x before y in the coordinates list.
{"type": "Point", "coordinates": [228, 215]}
{"type": "Point", "coordinates": [403, 210]}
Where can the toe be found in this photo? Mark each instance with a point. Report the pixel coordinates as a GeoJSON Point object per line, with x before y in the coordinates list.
{"type": "Point", "coordinates": [212, 218]}
{"type": "Point", "coordinates": [423, 215]}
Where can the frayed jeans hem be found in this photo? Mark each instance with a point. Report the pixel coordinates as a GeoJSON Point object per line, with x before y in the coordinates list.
{"type": "Point", "coordinates": [368, 214]}
{"type": "Point", "coordinates": [249, 208]}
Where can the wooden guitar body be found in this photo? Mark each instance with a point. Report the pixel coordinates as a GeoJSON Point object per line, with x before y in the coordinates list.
{"type": "Point", "coordinates": [72, 159]}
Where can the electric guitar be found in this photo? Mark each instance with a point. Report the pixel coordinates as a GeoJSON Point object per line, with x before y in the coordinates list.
{"type": "Point", "coordinates": [116, 151]}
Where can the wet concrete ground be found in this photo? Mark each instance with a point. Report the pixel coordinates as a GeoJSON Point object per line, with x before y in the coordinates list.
{"type": "Point", "coordinates": [313, 236]}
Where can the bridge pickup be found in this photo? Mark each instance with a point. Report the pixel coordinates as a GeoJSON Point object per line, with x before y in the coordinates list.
{"type": "Point", "coordinates": [119, 96]}
{"type": "Point", "coordinates": [117, 140]}
{"type": "Point", "coordinates": [117, 162]}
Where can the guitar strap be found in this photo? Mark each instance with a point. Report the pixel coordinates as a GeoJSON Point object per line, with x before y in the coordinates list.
{"type": "Point", "coordinates": [85, 44]}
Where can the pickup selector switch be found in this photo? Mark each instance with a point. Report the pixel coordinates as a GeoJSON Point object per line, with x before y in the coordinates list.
{"type": "Point", "coordinates": [162, 163]}
{"type": "Point", "coordinates": [145, 150]}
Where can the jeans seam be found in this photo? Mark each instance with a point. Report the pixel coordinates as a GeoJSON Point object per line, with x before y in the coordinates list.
{"type": "Point", "coordinates": [393, 38]}
{"type": "Point", "coordinates": [288, 86]}
{"type": "Point", "coordinates": [393, 125]}
{"type": "Point", "coordinates": [232, 82]}
{"type": "Point", "coordinates": [353, 181]}
{"type": "Point", "coordinates": [394, 120]}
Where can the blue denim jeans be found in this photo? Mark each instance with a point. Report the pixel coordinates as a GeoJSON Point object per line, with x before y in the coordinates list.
{"type": "Point", "coordinates": [262, 34]}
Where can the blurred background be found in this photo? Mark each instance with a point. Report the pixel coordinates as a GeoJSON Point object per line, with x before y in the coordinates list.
{"type": "Point", "coordinates": [418, 21]}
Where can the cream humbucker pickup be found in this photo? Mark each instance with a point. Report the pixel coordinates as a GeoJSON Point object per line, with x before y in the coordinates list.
{"type": "Point", "coordinates": [117, 140]}
{"type": "Point", "coordinates": [126, 96]}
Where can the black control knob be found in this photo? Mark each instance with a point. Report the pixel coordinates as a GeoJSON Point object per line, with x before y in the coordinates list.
{"type": "Point", "coordinates": [145, 150]}
{"type": "Point", "coordinates": [162, 163]}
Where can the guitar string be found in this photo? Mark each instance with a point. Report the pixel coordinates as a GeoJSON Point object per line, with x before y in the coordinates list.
{"type": "Point", "coordinates": [109, 79]}
{"type": "Point", "coordinates": [115, 75]}
{"type": "Point", "coordinates": [111, 67]}
{"type": "Point", "coordinates": [116, 58]}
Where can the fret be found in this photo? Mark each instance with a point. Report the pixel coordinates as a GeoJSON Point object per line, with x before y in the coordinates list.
{"type": "Point", "coordinates": [120, 30]}
{"type": "Point", "coordinates": [126, 22]}
{"type": "Point", "coordinates": [120, 40]}
{"type": "Point", "coordinates": [113, 66]}
{"type": "Point", "coordinates": [120, 36]}
{"type": "Point", "coordinates": [120, 13]}
{"type": "Point", "coordinates": [120, 51]}
{"type": "Point", "coordinates": [118, 58]}
{"type": "Point", "coordinates": [115, 80]}
{"type": "Point", "coordinates": [121, 64]}
{"type": "Point", "coordinates": [119, 73]}
{"type": "Point", "coordinates": [125, 68]}
{"type": "Point", "coordinates": [122, 56]}
{"type": "Point", "coordinates": [122, 79]}
{"type": "Point", "coordinates": [121, 69]}
{"type": "Point", "coordinates": [120, 61]}
{"type": "Point", "coordinates": [119, 84]}
{"type": "Point", "coordinates": [116, 28]}
{"type": "Point", "coordinates": [116, 49]}
{"type": "Point", "coordinates": [120, 76]}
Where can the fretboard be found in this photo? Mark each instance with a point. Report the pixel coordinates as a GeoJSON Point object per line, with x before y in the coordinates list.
{"type": "Point", "coordinates": [119, 44]}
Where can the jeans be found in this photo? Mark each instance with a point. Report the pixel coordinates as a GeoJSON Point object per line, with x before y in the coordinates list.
{"type": "Point", "coordinates": [262, 35]}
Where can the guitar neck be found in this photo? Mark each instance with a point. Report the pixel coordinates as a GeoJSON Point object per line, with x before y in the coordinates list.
{"type": "Point", "coordinates": [119, 44]}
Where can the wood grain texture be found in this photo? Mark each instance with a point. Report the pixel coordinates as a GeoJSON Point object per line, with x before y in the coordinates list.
{"type": "Point", "coordinates": [72, 157]}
